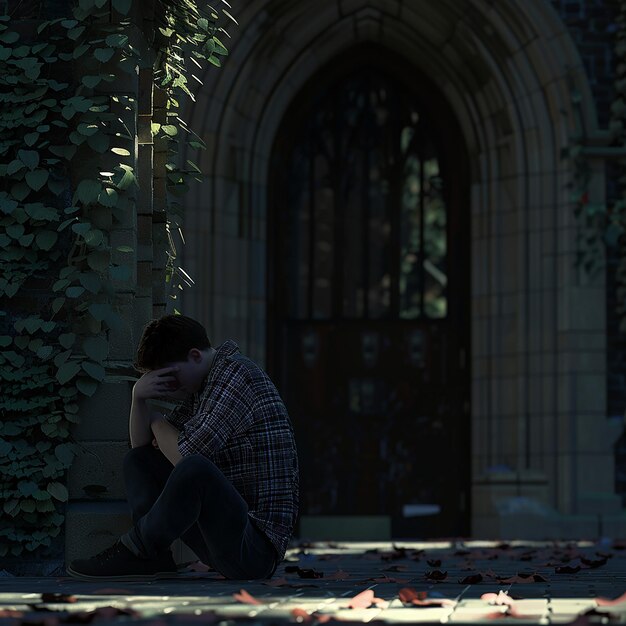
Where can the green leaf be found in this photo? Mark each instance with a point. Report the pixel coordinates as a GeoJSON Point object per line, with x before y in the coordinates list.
{"type": "Point", "coordinates": [100, 311]}
{"type": "Point", "coordinates": [27, 487]}
{"type": "Point", "coordinates": [103, 54]}
{"type": "Point", "coordinates": [31, 138]}
{"type": "Point", "coordinates": [86, 386]}
{"type": "Point", "coordinates": [80, 50]}
{"type": "Point", "coordinates": [15, 231]}
{"type": "Point", "coordinates": [170, 130]}
{"type": "Point", "coordinates": [61, 358]}
{"type": "Point", "coordinates": [7, 206]}
{"type": "Point", "coordinates": [87, 129]}
{"type": "Point", "coordinates": [124, 249]}
{"type": "Point", "coordinates": [116, 40]}
{"type": "Point", "coordinates": [122, 6]}
{"type": "Point", "coordinates": [215, 61]}
{"type": "Point", "coordinates": [98, 142]}
{"type": "Point", "coordinates": [220, 48]}
{"type": "Point", "coordinates": [58, 491]}
{"type": "Point", "coordinates": [10, 507]}
{"type": "Point", "coordinates": [65, 453]}
{"type": "Point", "coordinates": [88, 190]}
{"type": "Point", "coordinates": [227, 14]}
{"type": "Point", "coordinates": [37, 179]}
{"type": "Point", "coordinates": [57, 304]}
{"type": "Point", "coordinates": [90, 281]}
{"type": "Point", "coordinates": [74, 292]}
{"type": "Point", "coordinates": [30, 158]}
{"type": "Point", "coordinates": [67, 371]}
{"type": "Point", "coordinates": [75, 33]}
{"type": "Point", "coordinates": [128, 178]}
{"type": "Point", "coordinates": [120, 151]}
{"type": "Point", "coordinates": [20, 191]}
{"type": "Point", "coordinates": [96, 348]}
{"type": "Point", "coordinates": [46, 239]}
{"type": "Point", "coordinates": [9, 37]}
{"type": "Point", "coordinates": [95, 370]}
{"type": "Point", "coordinates": [108, 197]}
{"type": "Point", "coordinates": [94, 238]}
{"type": "Point", "coordinates": [44, 353]}
{"type": "Point", "coordinates": [80, 228]}
{"type": "Point", "coordinates": [99, 260]}
{"type": "Point", "coordinates": [5, 340]}
{"type": "Point", "coordinates": [91, 81]}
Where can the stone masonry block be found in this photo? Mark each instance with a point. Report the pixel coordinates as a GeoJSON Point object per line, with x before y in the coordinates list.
{"type": "Point", "coordinates": [92, 526]}
{"type": "Point", "coordinates": [99, 463]}
{"type": "Point", "coordinates": [104, 416]}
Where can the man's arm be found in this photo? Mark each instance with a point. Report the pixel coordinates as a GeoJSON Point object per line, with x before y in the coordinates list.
{"type": "Point", "coordinates": [154, 384]}
{"type": "Point", "coordinates": [167, 438]}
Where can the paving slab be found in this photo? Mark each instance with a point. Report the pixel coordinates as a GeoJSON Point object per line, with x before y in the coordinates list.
{"type": "Point", "coordinates": [356, 582]}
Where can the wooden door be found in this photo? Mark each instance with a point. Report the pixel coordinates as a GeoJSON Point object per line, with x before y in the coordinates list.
{"type": "Point", "coordinates": [368, 332]}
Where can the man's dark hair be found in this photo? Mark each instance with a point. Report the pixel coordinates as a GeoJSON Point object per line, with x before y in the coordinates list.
{"type": "Point", "coordinates": [169, 339]}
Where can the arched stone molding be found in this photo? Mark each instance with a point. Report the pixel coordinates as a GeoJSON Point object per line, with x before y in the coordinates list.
{"type": "Point", "coordinates": [508, 71]}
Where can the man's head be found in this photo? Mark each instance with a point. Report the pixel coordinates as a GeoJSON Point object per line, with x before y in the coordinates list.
{"type": "Point", "coordinates": [176, 340]}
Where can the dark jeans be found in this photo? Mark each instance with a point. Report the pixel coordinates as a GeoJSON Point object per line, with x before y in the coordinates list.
{"type": "Point", "coordinates": [195, 502]}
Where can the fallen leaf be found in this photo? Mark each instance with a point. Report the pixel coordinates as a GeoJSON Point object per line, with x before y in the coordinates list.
{"type": "Point", "coordinates": [434, 562]}
{"type": "Point", "coordinates": [609, 602]}
{"type": "Point", "coordinates": [310, 573]}
{"type": "Point", "coordinates": [399, 553]}
{"type": "Point", "coordinates": [436, 575]}
{"type": "Point", "coordinates": [524, 578]}
{"type": "Point", "coordinates": [387, 579]}
{"type": "Point", "coordinates": [499, 598]}
{"type": "Point", "coordinates": [245, 598]}
{"type": "Point", "coordinates": [364, 600]}
{"type": "Point", "coordinates": [408, 594]}
{"type": "Point", "coordinates": [474, 579]}
{"type": "Point", "coordinates": [396, 568]}
{"type": "Point", "coordinates": [593, 564]}
{"type": "Point", "coordinates": [57, 597]}
{"type": "Point", "coordinates": [298, 612]}
{"type": "Point", "coordinates": [567, 569]}
{"type": "Point", "coordinates": [303, 573]}
{"type": "Point", "coordinates": [338, 575]}
{"type": "Point", "coordinates": [278, 582]}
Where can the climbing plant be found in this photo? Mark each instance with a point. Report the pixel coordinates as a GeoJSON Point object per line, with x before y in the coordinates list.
{"type": "Point", "coordinates": [602, 224]}
{"type": "Point", "coordinates": [67, 177]}
{"type": "Point", "coordinates": [617, 226]}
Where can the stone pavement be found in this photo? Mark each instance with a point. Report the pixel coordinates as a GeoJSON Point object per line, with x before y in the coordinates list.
{"type": "Point", "coordinates": [406, 581]}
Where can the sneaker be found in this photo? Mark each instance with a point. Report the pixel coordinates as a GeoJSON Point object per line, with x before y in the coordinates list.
{"type": "Point", "coordinates": [118, 563]}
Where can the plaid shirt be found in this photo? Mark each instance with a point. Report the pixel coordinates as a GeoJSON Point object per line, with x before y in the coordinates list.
{"type": "Point", "coordinates": [239, 422]}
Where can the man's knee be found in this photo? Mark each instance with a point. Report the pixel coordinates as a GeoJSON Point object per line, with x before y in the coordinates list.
{"type": "Point", "coordinates": [196, 463]}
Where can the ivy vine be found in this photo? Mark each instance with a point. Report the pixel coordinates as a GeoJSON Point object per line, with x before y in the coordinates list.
{"type": "Point", "coordinates": [67, 178]}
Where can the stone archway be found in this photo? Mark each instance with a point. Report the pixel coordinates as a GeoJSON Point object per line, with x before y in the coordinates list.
{"type": "Point", "coordinates": [508, 71]}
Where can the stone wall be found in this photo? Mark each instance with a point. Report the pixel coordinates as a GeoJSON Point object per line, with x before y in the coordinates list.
{"type": "Point", "coordinates": [538, 324]}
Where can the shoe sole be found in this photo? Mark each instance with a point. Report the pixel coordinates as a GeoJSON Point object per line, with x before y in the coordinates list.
{"type": "Point", "coordinates": [140, 577]}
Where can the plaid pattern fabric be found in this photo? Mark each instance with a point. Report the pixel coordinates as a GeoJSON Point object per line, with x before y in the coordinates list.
{"type": "Point", "coordinates": [239, 421]}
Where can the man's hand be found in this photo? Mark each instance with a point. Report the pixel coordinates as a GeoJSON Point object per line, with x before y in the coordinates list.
{"type": "Point", "coordinates": [156, 384]}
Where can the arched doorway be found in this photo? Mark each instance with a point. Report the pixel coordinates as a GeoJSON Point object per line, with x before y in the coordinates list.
{"type": "Point", "coordinates": [368, 288]}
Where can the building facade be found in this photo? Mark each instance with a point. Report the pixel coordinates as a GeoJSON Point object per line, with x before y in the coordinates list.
{"type": "Point", "coordinates": [387, 226]}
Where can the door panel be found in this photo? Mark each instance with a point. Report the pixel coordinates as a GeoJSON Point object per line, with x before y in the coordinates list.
{"type": "Point", "coordinates": [368, 332]}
